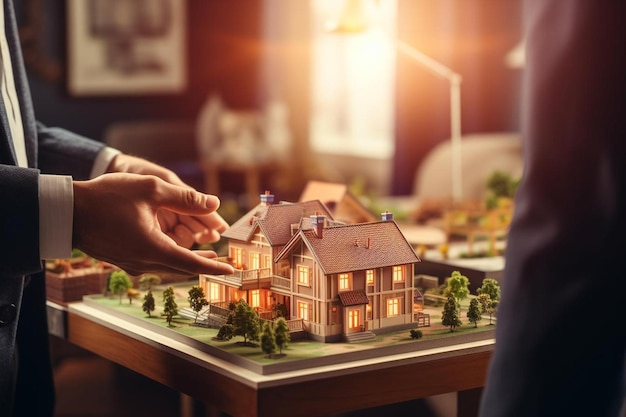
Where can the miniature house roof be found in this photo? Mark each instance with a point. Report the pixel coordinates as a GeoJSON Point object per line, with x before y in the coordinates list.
{"type": "Point", "coordinates": [344, 205]}
{"type": "Point", "coordinates": [274, 220]}
{"type": "Point", "coordinates": [353, 298]}
{"type": "Point", "coordinates": [355, 247]}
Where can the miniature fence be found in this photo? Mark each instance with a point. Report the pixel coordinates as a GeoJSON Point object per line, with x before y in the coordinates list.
{"type": "Point", "coordinates": [422, 319]}
{"type": "Point", "coordinates": [219, 309]}
{"type": "Point", "coordinates": [434, 299]}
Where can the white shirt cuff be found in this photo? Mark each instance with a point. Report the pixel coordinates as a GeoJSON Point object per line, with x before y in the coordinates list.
{"type": "Point", "coordinates": [56, 213]}
{"type": "Point", "coordinates": [103, 160]}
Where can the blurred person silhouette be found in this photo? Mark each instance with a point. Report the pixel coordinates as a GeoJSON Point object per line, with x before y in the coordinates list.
{"type": "Point", "coordinates": [60, 191]}
{"type": "Point", "coordinates": [560, 344]}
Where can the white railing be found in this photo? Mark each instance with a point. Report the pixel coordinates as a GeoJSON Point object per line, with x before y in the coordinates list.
{"type": "Point", "coordinates": [282, 282]}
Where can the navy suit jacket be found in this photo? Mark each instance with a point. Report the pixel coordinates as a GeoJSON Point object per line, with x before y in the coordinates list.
{"type": "Point", "coordinates": [560, 338]}
{"type": "Point", "coordinates": [25, 371]}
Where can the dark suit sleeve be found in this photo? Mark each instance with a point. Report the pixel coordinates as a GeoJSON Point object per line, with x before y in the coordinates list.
{"type": "Point", "coordinates": [19, 221]}
{"type": "Point", "coordinates": [60, 152]}
{"type": "Point", "coordinates": [560, 339]}
{"type": "Point", "coordinates": [65, 152]}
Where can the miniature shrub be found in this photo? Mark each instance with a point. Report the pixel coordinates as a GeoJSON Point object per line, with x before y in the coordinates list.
{"type": "Point", "coordinates": [226, 332]}
{"type": "Point", "coordinates": [416, 334]}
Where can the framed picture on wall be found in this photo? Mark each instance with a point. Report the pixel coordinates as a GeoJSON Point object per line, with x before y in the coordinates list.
{"type": "Point", "coordinates": [126, 47]}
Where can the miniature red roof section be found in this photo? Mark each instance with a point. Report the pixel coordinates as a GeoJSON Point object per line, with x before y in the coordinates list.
{"type": "Point", "coordinates": [275, 220]}
{"type": "Point", "coordinates": [355, 247]}
{"type": "Point", "coordinates": [343, 205]}
{"type": "Point", "coordinates": [353, 298]}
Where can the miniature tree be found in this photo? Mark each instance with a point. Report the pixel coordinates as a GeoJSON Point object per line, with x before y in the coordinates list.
{"type": "Point", "coordinates": [282, 334]}
{"type": "Point", "coordinates": [170, 308]}
{"type": "Point", "coordinates": [246, 322]}
{"type": "Point", "coordinates": [148, 303]}
{"type": "Point", "coordinates": [197, 300]}
{"type": "Point", "coordinates": [487, 305]}
{"type": "Point", "coordinates": [280, 310]}
{"type": "Point", "coordinates": [268, 339]}
{"type": "Point", "coordinates": [457, 286]}
{"type": "Point", "coordinates": [119, 283]}
{"type": "Point", "coordinates": [473, 313]}
{"type": "Point", "coordinates": [492, 287]}
{"type": "Point", "coordinates": [148, 280]}
{"type": "Point", "coordinates": [450, 314]}
{"type": "Point", "coordinates": [501, 185]}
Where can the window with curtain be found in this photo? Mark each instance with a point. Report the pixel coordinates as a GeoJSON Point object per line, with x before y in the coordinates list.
{"type": "Point", "coordinates": [352, 80]}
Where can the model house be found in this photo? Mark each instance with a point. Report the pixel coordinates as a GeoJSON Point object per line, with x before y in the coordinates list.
{"type": "Point", "coordinates": [338, 281]}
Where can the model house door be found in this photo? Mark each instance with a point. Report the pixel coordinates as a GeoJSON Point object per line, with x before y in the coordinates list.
{"type": "Point", "coordinates": [354, 320]}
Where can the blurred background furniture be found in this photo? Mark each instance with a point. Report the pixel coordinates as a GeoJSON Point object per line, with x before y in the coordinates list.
{"type": "Point", "coordinates": [482, 155]}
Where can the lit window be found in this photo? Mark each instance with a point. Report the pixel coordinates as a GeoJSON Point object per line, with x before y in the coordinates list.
{"type": "Point", "coordinates": [256, 298]}
{"type": "Point", "coordinates": [214, 292]}
{"type": "Point", "coordinates": [393, 307]}
{"type": "Point", "coordinates": [352, 79]}
{"type": "Point", "coordinates": [237, 256]}
{"type": "Point", "coordinates": [303, 275]}
{"type": "Point", "coordinates": [344, 282]}
{"type": "Point", "coordinates": [398, 274]}
{"type": "Point", "coordinates": [303, 310]}
{"type": "Point", "coordinates": [255, 260]}
{"type": "Point", "coordinates": [368, 310]}
{"type": "Point", "coordinates": [369, 277]}
{"type": "Point", "coordinates": [267, 261]}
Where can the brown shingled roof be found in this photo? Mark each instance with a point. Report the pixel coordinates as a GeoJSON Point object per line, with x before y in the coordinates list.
{"type": "Point", "coordinates": [345, 248]}
{"type": "Point", "coordinates": [353, 298]}
{"type": "Point", "coordinates": [275, 221]}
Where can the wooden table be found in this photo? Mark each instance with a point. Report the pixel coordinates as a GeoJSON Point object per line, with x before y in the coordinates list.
{"type": "Point", "coordinates": [318, 391]}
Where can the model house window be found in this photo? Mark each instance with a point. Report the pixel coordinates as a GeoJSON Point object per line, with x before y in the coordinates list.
{"type": "Point", "coordinates": [267, 261]}
{"type": "Point", "coordinates": [255, 260]}
{"type": "Point", "coordinates": [369, 277]}
{"type": "Point", "coordinates": [303, 310]}
{"type": "Point", "coordinates": [393, 307]}
{"type": "Point", "coordinates": [398, 274]}
{"type": "Point", "coordinates": [368, 311]}
{"type": "Point", "coordinates": [237, 256]}
{"type": "Point", "coordinates": [214, 292]}
{"type": "Point", "coordinates": [303, 275]}
{"type": "Point", "coordinates": [256, 298]}
{"type": "Point", "coordinates": [352, 79]}
{"type": "Point", "coordinates": [344, 282]}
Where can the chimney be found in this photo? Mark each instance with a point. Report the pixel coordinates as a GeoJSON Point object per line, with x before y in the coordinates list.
{"type": "Point", "coordinates": [386, 216]}
{"type": "Point", "coordinates": [267, 199]}
{"type": "Point", "coordinates": [317, 220]}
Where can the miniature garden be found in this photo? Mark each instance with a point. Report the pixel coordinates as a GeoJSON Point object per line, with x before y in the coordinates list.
{"type": "Point", "coordinates": [182, 308]}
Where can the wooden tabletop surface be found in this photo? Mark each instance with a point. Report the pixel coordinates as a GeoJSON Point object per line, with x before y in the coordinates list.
{"type": "Point", "coordinates": [316, 391]}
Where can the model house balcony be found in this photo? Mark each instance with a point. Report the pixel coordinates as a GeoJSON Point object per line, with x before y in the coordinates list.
{"type": "Point", "coordinates": [279, 281]}
{"type": "Point", "coordinates": [256, 278]}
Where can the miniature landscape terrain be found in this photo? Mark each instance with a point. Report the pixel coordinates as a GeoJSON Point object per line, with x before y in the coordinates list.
{"type": "Point", "coordinates": [300, 353]}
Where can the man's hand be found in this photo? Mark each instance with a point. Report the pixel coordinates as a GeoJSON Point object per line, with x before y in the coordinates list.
{"type": "Point", "coordinates": [184, 229]}
{"type": "Point", "coordinates": [116, 220]}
